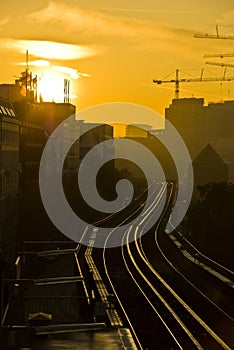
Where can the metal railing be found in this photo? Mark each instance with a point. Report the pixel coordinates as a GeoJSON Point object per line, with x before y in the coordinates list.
{"type": "Point", "coordinates": [64, 309]}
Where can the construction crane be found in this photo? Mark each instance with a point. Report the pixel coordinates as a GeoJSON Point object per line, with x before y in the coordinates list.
{"type": "Point", "coordinates": [220, 64]}
{"type": "Point", "coordinates": [178, 80]}
{"type": "Point", "coordinates": [214, 36]}
{"type": "Point", "coordinates": [220, 55]}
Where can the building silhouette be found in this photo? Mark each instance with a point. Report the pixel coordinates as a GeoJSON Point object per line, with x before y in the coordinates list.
{"type": "Point", "coordinates": [200, 125]}
{"type": "Point", "coordinates": [37, 122]}
{"type": "Point", "coordinates": [147, 137]}
{"type": "Point", "coordinates": [9, 179]}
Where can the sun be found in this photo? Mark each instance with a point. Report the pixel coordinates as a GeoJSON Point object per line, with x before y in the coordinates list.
{"type": "Point", "coordinates": [50, 86]}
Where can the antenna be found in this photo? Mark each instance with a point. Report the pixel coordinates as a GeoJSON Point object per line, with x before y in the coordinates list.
{"type": "Point", "coordinates": [26, 59]}
{"type": "Point", "coordinates": [66, 91]}
{"type": "Point", "coordinates": [26, 76]}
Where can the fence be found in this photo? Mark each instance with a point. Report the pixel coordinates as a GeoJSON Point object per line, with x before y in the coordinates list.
{"type": "Point", "coordinates": [64, 309]}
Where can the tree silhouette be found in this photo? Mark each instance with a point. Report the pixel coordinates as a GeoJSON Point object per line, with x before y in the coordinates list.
{"type": "Point", "coordinates": [210, 221]}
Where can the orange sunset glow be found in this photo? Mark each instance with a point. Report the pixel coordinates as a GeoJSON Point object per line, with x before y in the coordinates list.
{"type": "Point", "coordinates": [116, 174]}
{"type": "Point", "coordinates": [112, 52]}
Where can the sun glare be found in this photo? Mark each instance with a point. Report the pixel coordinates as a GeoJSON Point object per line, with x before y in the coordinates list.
{"type": "Point", "coordinates": [50, 82]}
{"type": "Point", "coordinates": [50, 87]}
{"type": "Point", "coordinates": [69, 71]}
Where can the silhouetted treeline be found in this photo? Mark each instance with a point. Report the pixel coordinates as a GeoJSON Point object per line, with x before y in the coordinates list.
{"type": "Point", "coordinates": [209, 223]}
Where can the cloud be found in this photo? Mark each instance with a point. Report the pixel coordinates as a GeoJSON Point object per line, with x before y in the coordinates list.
{"type": "Point", "coordinates": [72, 72]}
{"type": "Point", "coordinates": [148, 36]}
{"type": "Point", "coordinates": [36, 63]}
{"type": "Point", "coordinates": [142, 10]}
{"type": "Point", "coordinates": [101, 23]}
{"type": "Point", "coordinates": [51, 49]}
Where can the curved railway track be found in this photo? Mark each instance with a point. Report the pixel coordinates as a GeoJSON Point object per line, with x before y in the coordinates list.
{"type": "Point", "coordinates": [160, 317]}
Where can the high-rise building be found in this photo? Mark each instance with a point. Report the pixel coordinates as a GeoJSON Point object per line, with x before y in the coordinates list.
{"type": "Point", "coordinates": [9, 180]}
{"type": "Point", "coordinates": [187, 115]}
{"type": "Point", "coordinates": [38, 121]}
{"type": "Point", "coordinates": [200, 125]}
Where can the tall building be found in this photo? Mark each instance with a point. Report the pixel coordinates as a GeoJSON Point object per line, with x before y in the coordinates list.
{"type": "Point", "coordinates": [187, 115]}
{"type": "Point", "coordinates": [89, 139]}
{"type": "Point", "coordinates": [200, 125]}
{"type": "Point", "coordinates": [38, 121]}
{"type": "Point", "coordinates": [92, 135]}
{"type": "Point", "coordinates": [55, 113]}
{"type": "Point", "coordinates": [221, 117]}
{"type": "Point", "coordinates": [32, 141]}
{"type": "Point", "coordinates": [137, 130]}
{"type": "Point", "coordinates": [9, 180]}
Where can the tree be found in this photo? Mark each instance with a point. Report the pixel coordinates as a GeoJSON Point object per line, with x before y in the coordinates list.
{"type": "Point", "coordinates": [210, 221]}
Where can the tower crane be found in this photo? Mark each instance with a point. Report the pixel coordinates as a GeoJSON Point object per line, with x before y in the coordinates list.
{"type": "Point", "coordinates": [213, 36]}
{"type": "Point", "coordinates": [178, 80]}
{"type": "Point", "coordinates": [220, 55]}
{"type": "Point", "coordinates": [221, 64]}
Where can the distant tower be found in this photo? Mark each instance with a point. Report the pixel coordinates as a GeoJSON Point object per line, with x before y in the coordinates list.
{"type": "Point", "coordinates": [66, 91]}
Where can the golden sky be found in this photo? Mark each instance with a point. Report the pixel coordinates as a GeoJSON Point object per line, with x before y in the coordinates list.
{"type": "Point", "coordinates": [111, 50]}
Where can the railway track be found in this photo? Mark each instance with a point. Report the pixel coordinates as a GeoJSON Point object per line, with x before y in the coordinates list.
{"type": "Point", "coordinates": [161, 318]}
